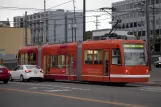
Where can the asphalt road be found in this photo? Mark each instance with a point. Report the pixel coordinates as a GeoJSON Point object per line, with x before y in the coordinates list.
{"type": "Point", "coordinates": [155, 74]}
{"type": "Point", "coordinates": [59, 94]}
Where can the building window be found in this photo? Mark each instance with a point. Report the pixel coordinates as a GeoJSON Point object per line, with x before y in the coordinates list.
{"type": "Point", "coordinates": [139, 33]}
{"type": "Point", "coordinates": [127, 25]}
{"type": "Point", "coordinates": [135, 24]}
{"type": "Point", "coordinates": [123, 26]}
{"type": "Point", "coordinates": [131, 25]}
{"type": "Point", "coordinates": [157, 32]}
{"type": "Point", "coordinates": [131, 15]}
{"type": "Point", "coordinates": [131, 5]}
{"type": "Point", "coordinates": [135, 14]}
{"type": "Point", "coordinates": [143, 33]}
{"type": "Point", "coordinates": [116, 56]}
{"type": "Point", "coordinates": [157, 1]}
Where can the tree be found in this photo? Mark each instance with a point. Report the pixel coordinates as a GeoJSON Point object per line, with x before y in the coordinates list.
{"type": "Point", "coordinates": [88, 35]}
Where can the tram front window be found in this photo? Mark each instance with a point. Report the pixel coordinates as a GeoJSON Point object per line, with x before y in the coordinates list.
{"type": "Point", "coordinates": [134, 54]}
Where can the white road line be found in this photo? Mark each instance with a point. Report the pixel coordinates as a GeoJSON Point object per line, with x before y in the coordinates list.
{"type": "Point", "coordinates": [40, 87]}
{"type": "Point", "coordinates": [54, 86]}
{"type": "Point", "coordinates": [57, 90]}
{"type": "Point", "coordinates": [152, 89]}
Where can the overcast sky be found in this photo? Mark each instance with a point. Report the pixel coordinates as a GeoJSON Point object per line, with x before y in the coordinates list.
{"type": "Point", "coordinates": [90, 5]}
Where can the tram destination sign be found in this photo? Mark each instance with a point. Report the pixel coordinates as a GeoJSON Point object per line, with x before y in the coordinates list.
{"type": "Point", "coordinates": [133, 46]}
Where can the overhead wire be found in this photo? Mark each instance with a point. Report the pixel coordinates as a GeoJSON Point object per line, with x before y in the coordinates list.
{"type": "Point", "coordinates": [60, 4]}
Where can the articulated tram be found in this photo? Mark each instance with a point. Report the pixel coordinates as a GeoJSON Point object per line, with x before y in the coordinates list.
{"type": "Point", "coordinates": [114, 61]}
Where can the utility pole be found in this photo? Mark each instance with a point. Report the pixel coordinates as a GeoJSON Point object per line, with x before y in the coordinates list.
{"type": "Point", "coordinates": [25, 27]}
{"type": "Point", "coordinates": [55, 31]}
{"type": "Point", "coordinates": [154, 36]}
{"type": "Point", "coordinates": [75, 30]}
{"type": "Point", "coordinates": [148, 33]}
{"type": "Point", "coordinates": [72, 30]}
{"type": "Point", "coordinates": [66, 32]}
{"type": "Point", "coordinates": [97, 21]}
{"type": "Point", "coordinates": [74, 21]}
{"type": "Point", "coordinates": [44, 29]}
{"type": "Point", "coordinates": [84, 19]}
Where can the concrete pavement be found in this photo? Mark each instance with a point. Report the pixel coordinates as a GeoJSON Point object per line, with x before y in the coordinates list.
{"type": "Point", "coordinates": [59, 94]}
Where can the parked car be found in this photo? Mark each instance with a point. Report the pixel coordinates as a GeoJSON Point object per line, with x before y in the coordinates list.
{"type": "Point", "coordinates": [157, 64]}
{"type": "Point", "coordinates": [4, 74]}
{"type": "Point", "coordinates": [27, 73]}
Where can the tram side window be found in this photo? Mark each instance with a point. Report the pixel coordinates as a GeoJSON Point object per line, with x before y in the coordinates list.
{"type": "Point", "coordinates": [116, 56]}
{"type": "Point", "coordinates": [88, 56]}
{"type": "Point", "coordinates": [61, 61]}
{"type": "Point", "coordinates": [34, 58]}
{"type": "Point", "coordinates": [19, 59]}
{"type": "Point", "coordinates": [97, 56]}
{"type": "Point", "coordinates": [26, 58]}
{"type": "Point", "coordinates": [29, 58]}
{"type": "Point", "coordinates": [54, 61]}
{"type": "Point", "coordinates": [22, 59]}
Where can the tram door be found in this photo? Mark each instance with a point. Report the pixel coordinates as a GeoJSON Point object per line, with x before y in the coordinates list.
{"type": "Point", "coordinates": [106, 62]}
{"type": "Point", "coordinates": [70, 66]}
{"type": "Point", "coordinates": [47, 63]}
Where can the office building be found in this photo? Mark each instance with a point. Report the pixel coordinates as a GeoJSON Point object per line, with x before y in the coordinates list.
{"type": "Point", "coordinates": [53, 26]}
{"type": "Point", "coordinates": [132, 15]}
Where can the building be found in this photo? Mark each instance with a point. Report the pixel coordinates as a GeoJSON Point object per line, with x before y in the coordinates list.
{"type": "Point", "coordinates": [132, 15]}
{"type": "Point", "coordinates": [12, 39]}
{"type": "Point", "coordinates": [5, 23]}
{"type": "Point", "coordinates": [18, 21]}
{"type": "Point", "coordinates": [53, 26]}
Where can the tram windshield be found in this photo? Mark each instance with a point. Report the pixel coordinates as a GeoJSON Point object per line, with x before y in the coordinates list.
{"type": "Point", "coordinates": [135, 54]}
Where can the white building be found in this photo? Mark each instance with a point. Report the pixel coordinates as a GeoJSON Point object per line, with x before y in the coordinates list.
{"type": "Point", "coordinates": [58, 26]}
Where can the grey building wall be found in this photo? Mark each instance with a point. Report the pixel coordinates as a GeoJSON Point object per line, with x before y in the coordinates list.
{"type": "Point", "coordinates": [18, 21]}
{"type": "Point", "coordinates": [132, 15]}
{"type": "Point", "coordinates": [58, 27]}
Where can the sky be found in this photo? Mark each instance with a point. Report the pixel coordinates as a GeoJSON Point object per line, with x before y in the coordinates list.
{"type": "Point", "coordinates": [104, 19]}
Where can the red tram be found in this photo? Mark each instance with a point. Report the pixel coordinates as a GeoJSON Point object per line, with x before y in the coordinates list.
{"type": "Point", "coordinates": [121, 61]}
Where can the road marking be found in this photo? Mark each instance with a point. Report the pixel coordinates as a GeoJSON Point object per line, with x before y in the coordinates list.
{"type": "Point", "coordinates": [57, 90]}
{"type": "Point", "coordinates": [54, 86]}
{"type": "Point", "coordinates": [72, 97]}
{"type": "Point", "coordinates": [40, 87]}
{"type": "Point", "coordinates": [33, 88]}
{"type": "Point", "coordinates": [49, 89]}
{"type": "Point", "coordinates": [152, 89]}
